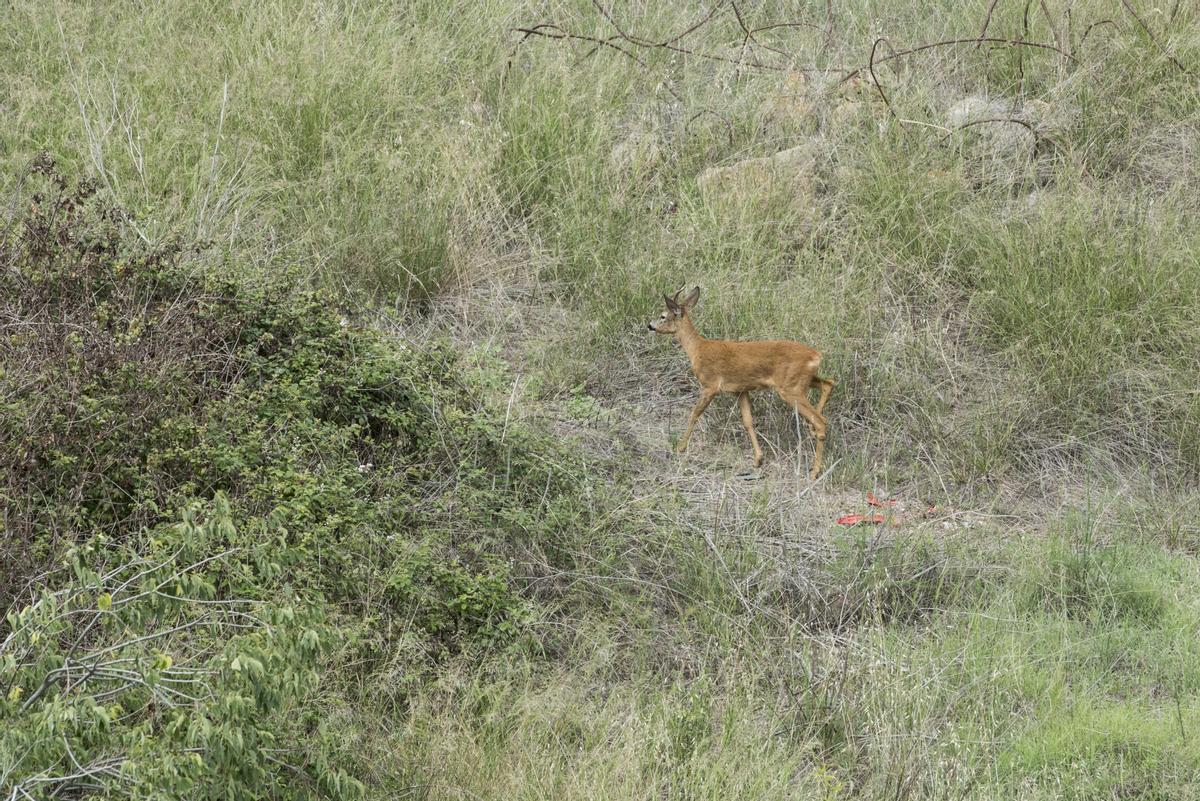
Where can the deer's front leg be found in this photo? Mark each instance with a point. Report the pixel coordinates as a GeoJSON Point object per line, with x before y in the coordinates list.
{"type": "Point", "coordinates": [701, 405]}
{"type": "Point", "coordinates": [748, 422]}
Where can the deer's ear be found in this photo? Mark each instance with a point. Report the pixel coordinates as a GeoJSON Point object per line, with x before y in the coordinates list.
{"type": "Point", "coordinates": [672, 306]}
{"type": "Point", "coordinates": [691, 299]}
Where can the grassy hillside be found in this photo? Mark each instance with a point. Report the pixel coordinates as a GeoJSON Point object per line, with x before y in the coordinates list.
{"type": "Point", "coordinates": [335, 443]}
{"type": "Point", "coordinates": [995, 298]}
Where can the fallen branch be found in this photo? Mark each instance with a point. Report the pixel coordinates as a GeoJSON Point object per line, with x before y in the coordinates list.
{"type": "Point", "coordinates": [1058, 39]}
{"type": "Point", "coordinates": [671, 44]}
{"type": "Point", "coordinates": [549, 30]}
{"type": "Point", "coordinates": [666, 42]}
{"type": "Point", "coordinates": [951, 42]}
{"type": "Point", "coordinates": [552, 31]}
{"type": "Point", "coordinates": [1015, 121]}
{"type": "Point", "coordinates": [1096, 24]}
{"type": "Point", "coordinates": [811, 25]}
{"type": "Point", "coordinates": [749, 35]}
{"type": "Point", "coordinates": [753, 37]}
{"type": "Point", "coordinates": [987, 20]}
{"type": "Point", "coordinates": [627, 42]}
{"type": "Point", "coordinates": [875, 79]}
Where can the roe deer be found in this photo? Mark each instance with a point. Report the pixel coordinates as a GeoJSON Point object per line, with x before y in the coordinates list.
{"type": "Point", "coordinates": [721, 365]}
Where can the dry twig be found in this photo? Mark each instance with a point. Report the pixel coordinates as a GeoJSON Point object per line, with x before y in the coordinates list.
{"type": "Point", "coordinates": [950, 42]}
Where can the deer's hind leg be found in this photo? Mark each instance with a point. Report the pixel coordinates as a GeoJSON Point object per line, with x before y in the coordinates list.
{"type": "Point", "coordinates": [748, 422]}
{"type": "Point", "coordinates": [826, 386]}
{"type": "Point", "coordinates": [816, 424]}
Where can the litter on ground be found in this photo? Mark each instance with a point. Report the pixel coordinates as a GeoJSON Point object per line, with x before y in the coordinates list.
{"type": "Point", "coordinates": [898, 515]}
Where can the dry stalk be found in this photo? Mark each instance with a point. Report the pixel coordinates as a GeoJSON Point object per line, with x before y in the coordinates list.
{"type": "Point", "coordinates": [1142, 23]}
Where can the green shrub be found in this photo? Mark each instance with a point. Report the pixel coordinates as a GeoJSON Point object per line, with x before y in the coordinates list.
{"type": "Point", "coordinates": [139, 678]}
{"type": "Point", "coordinates": [363, 486]}
{"type": "Point", "coordinates": [355, 465]}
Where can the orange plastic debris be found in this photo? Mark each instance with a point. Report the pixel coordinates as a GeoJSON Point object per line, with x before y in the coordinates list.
{"type": "Point", "coordinates": [873, 501]}
{"type": "Point", "coordinates": [854, 520]}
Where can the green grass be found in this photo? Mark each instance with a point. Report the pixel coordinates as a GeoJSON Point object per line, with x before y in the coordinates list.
{"type": "Point", "coordinates": [1012, 683]}
{"type": "Point", "coordinates": [1013, 321]}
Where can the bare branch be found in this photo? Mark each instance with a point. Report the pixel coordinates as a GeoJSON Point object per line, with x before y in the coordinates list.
{"type": "Point", "coordinates": [951, 42]}
{"type": "Point", "coordinates": [987, 20]}
{"type": "Point", "coordinates": [875, 79]}
{"type": "Point", "coordinates": [1097, 24]}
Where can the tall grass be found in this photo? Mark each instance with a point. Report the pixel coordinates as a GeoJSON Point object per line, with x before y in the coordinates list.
{"type": "Point", "coordinates": [1034, 669]}
{"type": "Point", "coordinates": [1026, 308]}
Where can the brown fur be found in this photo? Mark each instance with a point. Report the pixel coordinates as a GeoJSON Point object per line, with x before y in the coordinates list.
{"type": "Point", "coordinates": [720, 365]}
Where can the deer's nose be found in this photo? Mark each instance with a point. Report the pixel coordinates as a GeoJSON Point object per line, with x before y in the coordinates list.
{"type": "Point", "coordinates": [650, 326]}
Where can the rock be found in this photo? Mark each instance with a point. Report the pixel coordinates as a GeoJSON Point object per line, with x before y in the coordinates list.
{"type": "Point", "coordinates": [974, 108]}
{"type": "Point", "coordinates": [993, 124]}
{"type": "Point", "coordinates": [635, 155]}
{"type": "Point", "coordinates": [790, 107]}
{"type": "Point", "coordinates": [998, 147]}
{"type": "Point", "coordinates": [1048, 119]}
{"type": "Point", "coordinates": [788, 173]}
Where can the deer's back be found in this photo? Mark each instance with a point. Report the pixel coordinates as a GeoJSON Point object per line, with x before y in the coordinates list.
{"type": "Point", "coordinates": [739, 366]}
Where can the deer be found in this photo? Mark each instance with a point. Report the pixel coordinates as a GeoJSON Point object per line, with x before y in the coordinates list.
{"type": "Point", "coordinates": [722, 365]}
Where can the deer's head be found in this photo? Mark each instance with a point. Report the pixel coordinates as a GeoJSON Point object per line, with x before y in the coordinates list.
{"type": "Point", "coordinates": [668, 322]}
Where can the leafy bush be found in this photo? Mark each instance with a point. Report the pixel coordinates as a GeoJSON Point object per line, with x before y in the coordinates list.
{"type": "Point", "coordinates": [139, 679]}
{"type": "Point", "coordinates": [350, 461]}
{"type": "Point", "coordinates": [362, 485]}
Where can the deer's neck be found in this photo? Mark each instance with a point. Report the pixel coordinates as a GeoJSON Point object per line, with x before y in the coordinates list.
{"type": "Point", "coordinates": [690, 339]}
